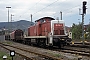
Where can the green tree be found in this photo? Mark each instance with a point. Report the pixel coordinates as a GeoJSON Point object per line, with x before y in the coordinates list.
{"type": "Point", "coordinates": [76, 31]}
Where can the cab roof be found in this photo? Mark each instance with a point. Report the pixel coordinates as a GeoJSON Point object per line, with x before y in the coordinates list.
{"type": "Point", "coordinates": [45, 18]}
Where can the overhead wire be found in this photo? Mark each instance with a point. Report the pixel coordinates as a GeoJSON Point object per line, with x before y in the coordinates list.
{"type": "Point", "coordinates": [50, 5]}
{"type": "Point", "coordinates": [30, 8]}
{"type": "Point", "coordinates": [53, 3]}
{"type": "Point", "coordinates": [45, 7]}
{"type": "Point", "coordinates": [67, 9]}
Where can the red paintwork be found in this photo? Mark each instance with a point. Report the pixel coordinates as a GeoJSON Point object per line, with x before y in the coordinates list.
{"type": "Point", "coordinates": [42, 27]}
{"type": "Point", "coordinates": [46, 28]}
{"type": "Point", "coordinates": [58, 29]}
{"type": "Point", "coordinates": [12, 35]}
{"type": "Point", "coordinates": [31, 31]}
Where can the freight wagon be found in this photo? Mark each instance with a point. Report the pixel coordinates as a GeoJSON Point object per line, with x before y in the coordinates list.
{"type": "Point", "coordinates": [17, 35]}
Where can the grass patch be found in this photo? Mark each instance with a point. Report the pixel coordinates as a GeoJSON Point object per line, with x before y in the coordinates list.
{"type": "Point", "coordinates": [2, 54]}
{"type": "Point", "coordinates": [7, 43]}
{"type": "Point", "coordinates": [54, 54]}
{"type": "Point", "coordinates": [57, 55]}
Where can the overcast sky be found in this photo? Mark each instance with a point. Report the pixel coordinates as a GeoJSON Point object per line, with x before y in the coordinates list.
{"type": "Point", "coordinates": [22, 9]}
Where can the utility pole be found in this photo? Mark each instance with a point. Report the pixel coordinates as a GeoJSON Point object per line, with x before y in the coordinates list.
{"type": "Point", "coordinates": [31, 17]}
{"type": "Point", "coordinates": [11, 21]}
{"type": "Point", "coordinates": [61, 15]}
{"type": "Point", "coordinates": [8, 18]}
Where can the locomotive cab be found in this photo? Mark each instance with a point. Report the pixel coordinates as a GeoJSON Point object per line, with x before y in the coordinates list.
{"type": "Point", "coordinates": [57, 27]}
{"type": "Point", "coordinates": [58, 36]}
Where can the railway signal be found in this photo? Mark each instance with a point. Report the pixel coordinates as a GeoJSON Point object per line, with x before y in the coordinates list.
{"type": "Point", "coordinates": [12, 53]}
{"type": "Point", "coordinates": [83, 12]}
{"type": "Point", "coordinates": [84, 7]}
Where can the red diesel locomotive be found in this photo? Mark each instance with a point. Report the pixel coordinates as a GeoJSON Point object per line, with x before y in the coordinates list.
{"type": "Point", "coordinates": [47, 32]}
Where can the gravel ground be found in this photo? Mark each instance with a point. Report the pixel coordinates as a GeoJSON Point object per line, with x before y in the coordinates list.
{"type": "Point", "coordinates": [17, 57]}
{"type": "Point", "coordinates": [63, 56]}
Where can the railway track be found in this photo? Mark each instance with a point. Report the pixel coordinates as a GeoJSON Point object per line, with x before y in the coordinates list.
{"type": "Point", "coordinates": [29, 54]}
{"type": "Point", "coordinates": [45, 55]}
{"type": "Point", "coordinates": [21, 52]}
{"type": "Point", "coordinates": [80, 45]}
{"type": "Point", "coordinates": [76, 50]}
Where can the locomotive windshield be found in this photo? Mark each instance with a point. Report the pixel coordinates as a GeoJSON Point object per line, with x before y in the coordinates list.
{"type": "Point", "coordinates": [58, 29]}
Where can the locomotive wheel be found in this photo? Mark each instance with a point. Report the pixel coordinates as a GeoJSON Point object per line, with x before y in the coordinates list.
{"type": "Point", "coordinates": [61, 44]}
{"type": "Point", "coordinates": [41, 43]}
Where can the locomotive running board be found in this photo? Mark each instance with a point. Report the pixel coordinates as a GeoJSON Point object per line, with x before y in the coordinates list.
{"type": "Point", "coordinates": [35, 36]}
